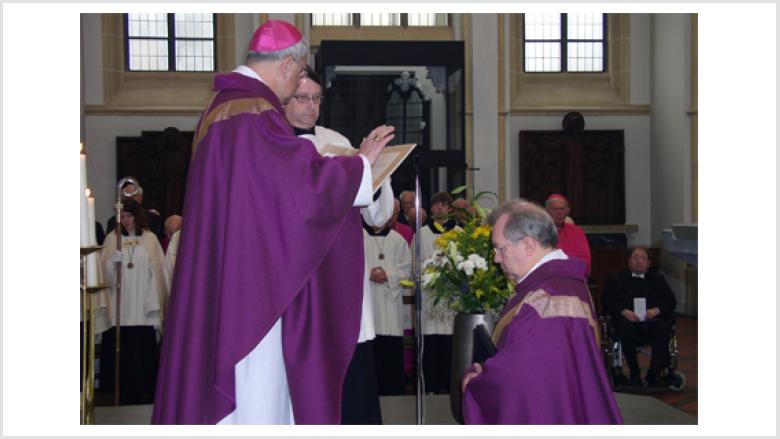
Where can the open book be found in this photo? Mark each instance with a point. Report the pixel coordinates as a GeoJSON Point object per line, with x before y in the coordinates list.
{"type": "Point", "coordinates": [384, 166]}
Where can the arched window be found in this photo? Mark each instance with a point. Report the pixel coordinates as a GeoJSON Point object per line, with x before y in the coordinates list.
{"type": "Point", "coordinates": [405, 108]}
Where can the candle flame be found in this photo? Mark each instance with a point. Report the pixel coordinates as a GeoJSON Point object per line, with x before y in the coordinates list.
{"type": "Point", "coordinates": [82, 147]}
{"type": "Point", "coordinates": [88, 192]}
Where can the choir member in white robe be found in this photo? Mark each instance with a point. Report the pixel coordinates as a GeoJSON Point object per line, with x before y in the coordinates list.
{"type": "Point", "coordinates": [388, 262]}
{"type": "Point", "coordinates": [144, 291]}
{"type": "Point", "coordinates": [360, 400]}
{"type": "Point", "coordinates": [173, 249]}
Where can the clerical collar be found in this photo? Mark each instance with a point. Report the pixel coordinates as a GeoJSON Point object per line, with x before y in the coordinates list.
{"type": "Point", "coordinates": [553, 255]}
{"type": "Point", "coordinates": [246, 71]}
{"type": "Point", "coordinates": [370, 230]}
{"type": "Point", "coordinates": [640, 275]}
{"type": "Point", "coordinates": [300, 131]}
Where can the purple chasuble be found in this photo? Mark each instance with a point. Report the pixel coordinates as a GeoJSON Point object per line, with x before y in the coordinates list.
{"type": "Point", "coordinates": [549, 368]}
{"type": "Point", "coordinates": [269, 231]}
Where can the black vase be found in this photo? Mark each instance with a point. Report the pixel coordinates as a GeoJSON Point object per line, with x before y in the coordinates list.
{"type": "Point", "coordinates": [462, 348]}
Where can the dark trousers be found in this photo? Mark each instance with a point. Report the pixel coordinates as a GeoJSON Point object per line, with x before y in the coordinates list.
{"type": "Point", "coordinates": [634, 335]}
{"type": "Point", "coordinates": [437, 360]}
{"type": "Point", "coordinates": [360, 397]}
{"type": "Point", "coordinates": [389, 359]}
{"type": "Point", "coordinates": [138, 360]}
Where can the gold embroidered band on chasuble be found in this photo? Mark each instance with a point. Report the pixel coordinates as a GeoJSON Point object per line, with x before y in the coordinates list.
{"type": "Point", "coordinates": [547, 307]}
{"type": "Point", "coordinates": [226, 110]}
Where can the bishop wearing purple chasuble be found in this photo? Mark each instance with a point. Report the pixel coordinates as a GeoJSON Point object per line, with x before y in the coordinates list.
{"type": "Point", "coordinates": [265, 306]}
{"type": "Point", "coordinates": [548, 368]}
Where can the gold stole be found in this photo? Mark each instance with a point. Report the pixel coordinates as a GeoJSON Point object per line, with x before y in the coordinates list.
{"type": "Point", "coordinates": [548, 306]}
{"type": "Point", "coordinates": [229, 109]}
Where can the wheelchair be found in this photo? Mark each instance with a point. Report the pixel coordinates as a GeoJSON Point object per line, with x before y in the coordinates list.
{"type": "Point", "coordinates": [613, 358]}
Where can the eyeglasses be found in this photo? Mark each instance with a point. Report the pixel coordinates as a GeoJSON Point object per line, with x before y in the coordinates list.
{"type": "Point", "coordinates": [304, 98]}
{"type": "Point", "coordinates": [303, 73]}
{"type": "Point", "coordinates": [501, 249]}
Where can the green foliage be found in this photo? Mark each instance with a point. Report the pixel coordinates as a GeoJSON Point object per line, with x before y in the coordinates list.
{"type": "Point", "coordinates": [461, 272]}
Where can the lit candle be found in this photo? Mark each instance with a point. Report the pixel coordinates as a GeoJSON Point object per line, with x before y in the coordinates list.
{"type": "Point", "coordinates": [92, 262]}
{"type": "Point", "coordinates": [84, 210]}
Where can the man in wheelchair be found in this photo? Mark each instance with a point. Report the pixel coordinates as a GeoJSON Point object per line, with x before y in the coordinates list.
{"type": "Point", "coordinates": [641, 306]}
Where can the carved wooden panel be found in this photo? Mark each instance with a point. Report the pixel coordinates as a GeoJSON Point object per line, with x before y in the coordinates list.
{"type": "Point", "coordinates": [159, 160]}
{"type": "Point", "coordinates": [586, 166]}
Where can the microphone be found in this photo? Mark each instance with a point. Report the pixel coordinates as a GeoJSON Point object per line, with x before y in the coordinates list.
{"type": "Point", "coordinates": [420, 135]}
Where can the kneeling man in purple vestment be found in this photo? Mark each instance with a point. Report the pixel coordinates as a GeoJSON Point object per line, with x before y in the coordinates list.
{"type": "Point", "coordinates": [548, 368]}
{"type": "Point", "coordinates": [266, 299]}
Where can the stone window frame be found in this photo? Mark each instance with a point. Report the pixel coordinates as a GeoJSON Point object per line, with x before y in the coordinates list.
{"type": "Point", "coordinates": [157, 92]}
{"type": "Point", "coordinates": [374, 33]}
{"type": "Point", "coordinates": [576, 91]}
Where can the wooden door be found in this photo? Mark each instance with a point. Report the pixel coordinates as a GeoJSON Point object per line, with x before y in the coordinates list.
{"type": "Point", "coordinates": [159, 160]}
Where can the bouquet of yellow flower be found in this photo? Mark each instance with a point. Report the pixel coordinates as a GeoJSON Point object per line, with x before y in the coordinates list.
{"type": "Point", "coordinates": [462, 273]}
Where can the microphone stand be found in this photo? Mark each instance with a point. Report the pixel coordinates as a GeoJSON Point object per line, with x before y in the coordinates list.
{"type": "Point", "coordinates": [118, 269]}
{"type": "Point", "coordinates": [418, 296]}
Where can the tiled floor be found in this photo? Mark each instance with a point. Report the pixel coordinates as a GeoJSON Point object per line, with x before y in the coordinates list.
{"type": "Point", "coordinates": [402, 410]}
{"type": "Point", "coordinates": [634, 405]}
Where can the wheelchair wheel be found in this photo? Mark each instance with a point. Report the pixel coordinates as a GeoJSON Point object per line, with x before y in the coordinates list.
{"type": "Point", "coordinates": [677, 381]}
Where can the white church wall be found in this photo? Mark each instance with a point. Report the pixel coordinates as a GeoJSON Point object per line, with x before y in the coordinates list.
{"type": "Point", "coordinates": [93, 59]}
{"type": "Point", "coordinates": [245, 25]}
{"type": "Point", "coordinates": [670, 137]}
{"type": "Point", "coordinates": [635, 126]}
{"type": "Point", "coordinates": [485, 101]}
{"type": "Point", "coordinates": [102, 130]}
{"type": "Point", "coordinates": [637, 158]}
{"type": "Point", "coordinates": [640, 59]}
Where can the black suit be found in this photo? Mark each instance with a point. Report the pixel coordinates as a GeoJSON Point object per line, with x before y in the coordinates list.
{"type": "Point", "coordinates": [620, 289]}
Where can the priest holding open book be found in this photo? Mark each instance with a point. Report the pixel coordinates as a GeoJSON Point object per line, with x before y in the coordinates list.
{"type": "Point", "coordinates": [271, 252]}
{"type": "Point", "coordinates": [360, 398]}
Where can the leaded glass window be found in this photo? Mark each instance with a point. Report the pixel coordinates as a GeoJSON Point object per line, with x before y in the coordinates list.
{"type": "Point", "coordinates": [170, 42]}
{"type": "Point", "coordinates": [331, 19]}
{"type": "Point", "coordinates": [383, 19]}
{"type": "Point", "coordinates": [555, 43]}
{"type": "Point", "coordinates": [427, 19]}
{"type": "Point", "coordinates": [380, 19]}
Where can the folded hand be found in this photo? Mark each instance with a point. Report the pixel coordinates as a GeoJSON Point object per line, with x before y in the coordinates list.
{"type": "Point", "coordinates": [471, 375]}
